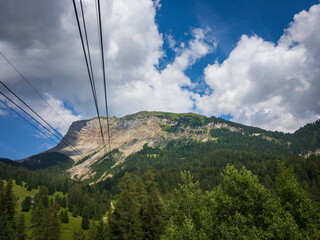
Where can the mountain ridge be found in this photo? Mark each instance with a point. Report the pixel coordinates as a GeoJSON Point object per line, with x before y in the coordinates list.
{"type": "Point", "coordinates": [132, 133]}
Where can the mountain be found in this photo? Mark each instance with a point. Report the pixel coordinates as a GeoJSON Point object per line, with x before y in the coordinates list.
{"type": "Point", "coordinates": [151, 133]}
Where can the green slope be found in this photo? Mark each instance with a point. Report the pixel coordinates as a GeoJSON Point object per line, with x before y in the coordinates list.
{"type": "Point", "coordinates": [67, 229]}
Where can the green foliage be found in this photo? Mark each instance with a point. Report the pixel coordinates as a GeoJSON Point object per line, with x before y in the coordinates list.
{"type": "Point", "coordinates": [169, 128]}
{"type": "Point", "coordinates": [85, 219]}
{"type": "Point", "coordinates": [151, 210]}
{"type": "Point", "coordinates": [98, 231]}
{"type": "Point", "coordinates": [64, 216]}
{"type": "Point", "coordinates": [86, 157]}
{"type": "Point", "coordinates": [239, 208]}
{"type": "Point", "coordinates": [184, 211]}
{"type": "Point", "coordinates": [307, 138]}
{"type": "Point", "coordinates": [20, 229]}
{"type": "Point", "coordinates": [125, 222]}
{"type": "Point", "coordinates": [53, 180]}
{"type": "Point", "coordinates": [78, 235]}
{"type": "Point", "coordinates": [138, 211]}
{"type": "Point", "coordinates": [42, 161]}
{"type": "Point", "coordinates": [11, 225]}
{"type": "Point", "coordinates": [26, 204]}
{"type": "Point", "coordinates": [242, 208]}
{"type": "Point", "coordinates": [82, 196]}
{"type": "Point", "coordinates": [44, 219]}
{"type": "Point", "coordinates": [105, 163]}
{"type": "Point", "coordinates": [296, 201]}
{"type": "Point", "coordinates": [6, 227]}
{"type": "Point", "coordinates": [8, 201]}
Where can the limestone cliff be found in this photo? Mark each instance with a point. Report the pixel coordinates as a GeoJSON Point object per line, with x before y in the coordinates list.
{"type": "Point", "coordinates": [128, 135]}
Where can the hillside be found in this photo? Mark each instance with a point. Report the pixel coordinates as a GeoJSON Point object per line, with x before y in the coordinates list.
{"type": "Point", "coordinates": [158, 163]}
{"type": "Point", "coordinates": [155, 130]}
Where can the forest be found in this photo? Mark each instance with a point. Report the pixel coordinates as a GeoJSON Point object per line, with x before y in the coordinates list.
{"type": "Point", "coordinates": [238, 187]}
{"type": "Point", "coordinates": [221, 194]}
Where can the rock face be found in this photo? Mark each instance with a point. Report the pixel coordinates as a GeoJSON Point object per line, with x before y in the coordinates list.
{"type": "Point", "coordinates": [128, 135]}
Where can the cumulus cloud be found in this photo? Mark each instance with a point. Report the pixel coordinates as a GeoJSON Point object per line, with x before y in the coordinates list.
{"type": "Point", "coordinates": [274, 86]}
{"type": "Point", "coordinates": [269, 85]}
{"type": "Point", "coordinates": [133, 47]}
{"type": "Point", "coordinates": [163, 90]}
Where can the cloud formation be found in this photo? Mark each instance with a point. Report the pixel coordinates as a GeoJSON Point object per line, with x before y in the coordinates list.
{"type": "Point", "coordinates": [274, 86]}
{"type": "Point", "coordinates": [133, 49]}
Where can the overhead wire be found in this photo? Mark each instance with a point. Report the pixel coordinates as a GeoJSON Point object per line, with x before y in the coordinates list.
{"type": "Point", "coordinates": [34, 89]}
{"type": "Point", "coordinates": [88, 69]}
{"type": "Point", "coordinates": [50, 131]}
{"type": "Point", "coordinates": [66, 140]}
{"type": "Point", "coordinates": [34, 126]}
{"type": "Point", "coordinates": [103, 69]}
{"type": "Point", "coordinates": [8, 98]}
{"type": "Point", "coordinates": [37, 92]}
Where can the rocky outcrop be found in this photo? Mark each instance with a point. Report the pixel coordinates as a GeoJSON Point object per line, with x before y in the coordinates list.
{"type": "Point", "coordinates": [128, 135]}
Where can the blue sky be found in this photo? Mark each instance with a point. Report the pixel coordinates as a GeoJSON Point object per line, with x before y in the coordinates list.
{"type": "Point", "coordinates": [249, 61]}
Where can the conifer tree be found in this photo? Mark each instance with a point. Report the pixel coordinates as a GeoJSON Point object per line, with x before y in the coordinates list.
{"type": "Point", "coordinates": [20, 228]}
{"type": "Point", "coordinates": [85, 219]}
{"type": "Point", "coordinates": [45, 221]}
{"type": "Point", "coordinates": [9, 201]}
{"type": "Point", "coordinates": [53, 225]}
{"type": "Point", "coordinates": [152, 210]}
{"type": "Point", "coordinates": [63, 202]}
{"type": "Point", "coordinates": [85, 223]}
{"type": "Point", "coordinates": [6, 228]}
{"type": "Point", "coordinates": [26, 204]}
{"type": "Point", "coordinates": [125, 222]}
{"type": "Point", "coordinates": [295, 200]}
{"type": "Point", "coordinates": [78, 235]}
{"type": "Point", "coordinates": [98, 231]}
{"type": "Point", "coordinates": [64, 216]}
{"type": "Point", "coordinates": [61, 216]}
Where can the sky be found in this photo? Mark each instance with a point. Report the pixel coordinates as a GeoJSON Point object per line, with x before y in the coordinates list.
{"type": "Point", "coordinates": [251, 62]}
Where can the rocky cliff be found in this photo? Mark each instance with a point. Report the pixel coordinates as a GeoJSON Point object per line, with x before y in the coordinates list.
{"type": "Point", "coordinates": [128, 135]}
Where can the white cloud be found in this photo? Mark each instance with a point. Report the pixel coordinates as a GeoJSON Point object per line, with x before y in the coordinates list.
{"type": "Point", "coordinates": [171, 41]}
{"type": "Point", "coordinates": [270, 85]}
{"type": "Point", "coordinates": [63, 119]}
{"type": "Point", "coordinates": [274, 86]}
{"type": "Point", "coordinates": [133, 47]}
{"type": "Point", "coordinates": [162, 90]}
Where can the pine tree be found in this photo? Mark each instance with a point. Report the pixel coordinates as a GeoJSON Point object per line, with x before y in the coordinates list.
{"type": "Point", "coordinates": [45, 222]}
{"type": "Point", "coordinates": [64, 216]}
{"type": "Point", "coordinates": [9, 201]}
{"type": "Point", "coordinates": [26, 204]}
{"type": "Point", "coordinates": [85, 218]}
{"type": "Point", "coordinates": [100, 231]}
{"type": "Point", "coordinates": [20, 229]}
{"type": "Point", "coordinates": [78, 235]}
{"type": "Point", "coordinates": [6, 228]}
{"type": "Point", "coordinates": [61, 216]}
{"type": "Point", "coordinates": [53, 225]}
{"type": "Point", "coordinates": [125, 222]}
{"type": "Point", "coordinates": [38, 215]}
{"type": "Point", "coordinates": [63, 202]}
{"type": "Point", "coordinates": [152, 210]}
{"type": "Point", "coordinates": [85, 223]}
